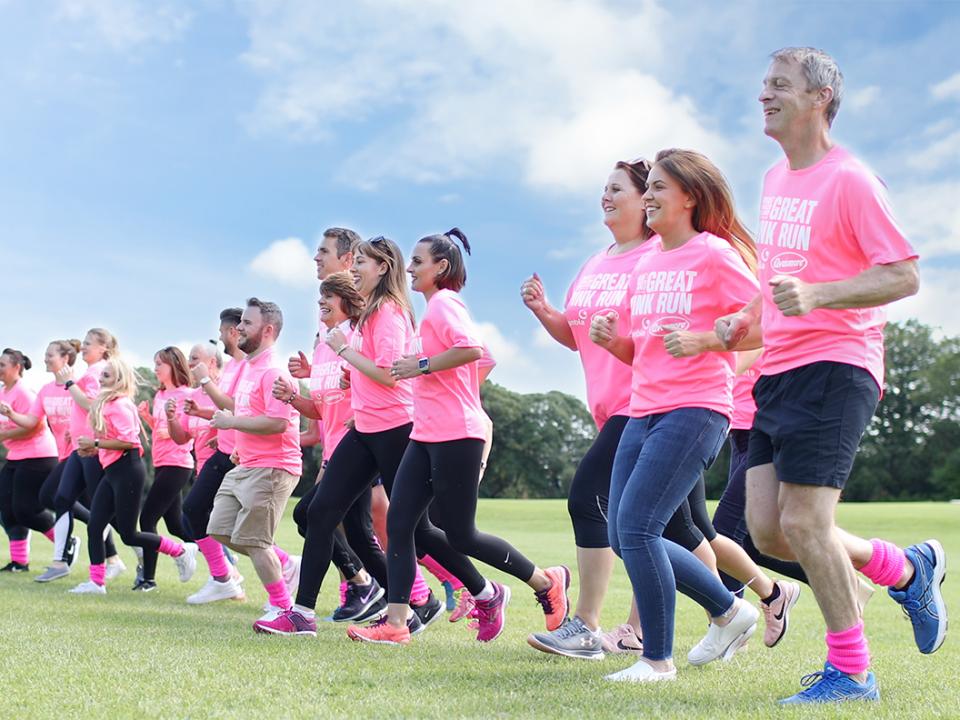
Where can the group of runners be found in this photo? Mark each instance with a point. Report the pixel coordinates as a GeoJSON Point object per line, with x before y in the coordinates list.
{"type": "Point", "coordinates": [691, 331]}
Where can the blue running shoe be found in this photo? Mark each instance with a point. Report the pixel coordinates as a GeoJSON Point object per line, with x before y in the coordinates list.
{"type": "Point", "coordinates": [921, 599]}
{"type": "Point", "coordinates": [831, 686]}
{"type": "Point", "coordinates": [451, 597]}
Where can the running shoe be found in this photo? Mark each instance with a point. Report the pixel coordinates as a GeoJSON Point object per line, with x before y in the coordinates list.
{"type": "Point", "coordinates": [573, 639]}
{"type": "Point", "coordinates": [72, 552]}
{"type": "Point", "coordinates": [491, 615]}
{"type": "Point", "coordinates": [465, 605]}
{"type": "Point", "coordinates": [117, 568]}
{"type": "Point", "coordinates": [15, 567]}
{"type": "Point", "coordinates": [428, 611]}
{"type": "Point", "coordinates": [357, 601]}
{"type": "Point", "coordinates": [53, 573]}
{"type": "Point", "coordinates": [641, 671]}
{"type": "Point", "coordinates": [554, 600]}
{"type": "Point", "coordinates": [622, 640]}
{"type": "Point", "coordinates": [144, 586]}
{"type": "Point", "coordinates": [720, 643]}
{"type": "Point", "coordinates": [383, 633]}
{"type": "Point", "coordinates": [777, 613]}
{"type": "Point", "coordinates": [450, 596]}
{"type": "Point", "coordinates": [212, 591]}
{"type": "Point", "coordinates": [288, 622]}
{"type": "Point", "coordinates": [291, 575]}
{"type": "Point", "coordinates": [921, 599]}
{"type": "Point", "coordinates": [88, 588]}
{"type": "Point", "coordinates": [833, 686]}
{"type": "Point", "coordinates": [187, 561]}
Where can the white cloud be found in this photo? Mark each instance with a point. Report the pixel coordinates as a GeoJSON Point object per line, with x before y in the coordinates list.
{"type": "Point", "coordinates": [941, 152]}
{"type": "Point", "coordinates": [287, 261]}
{"type": "Point", "coordinates": [948, 89]}
{"type": "Point", "coordinates": [126, 24]}
{"type": "Point", "coordinates": [930, 215]}
{"type": "Point", "coordinates": [864, 98]}
{"type": "Point", "coordinates": [457, 88]}
{"type": "Point", "coordinates": [936, 302]}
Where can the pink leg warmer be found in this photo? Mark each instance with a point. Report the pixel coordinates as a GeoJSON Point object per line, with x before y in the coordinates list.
{"type": "Point", "coordinates": [440, 572]}
{"type": "Point", "coordinates": [847, 650]}
{"type": "Point", "coordinates": [282, 555]}
{"type": "Point", "coordinates": [170, 547]}
{"type": "Point", "coordinates": [420, 590]}
{"type": "Point", "coordinates": [214, 555]}
{"type": "Point", "coordinates": [20, 551]}
{"type": "Point", "coordinates": [98, 573]}
{"type": "Point", "coordinates": [886, 563]}
{"type": "Point", "coordinates": [277, 592]}
{"type": "Point", "coordinates": [49, 535]}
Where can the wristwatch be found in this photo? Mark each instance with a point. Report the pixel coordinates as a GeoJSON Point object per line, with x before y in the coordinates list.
{"type": "Point", "coordinates": [96, 443]}
{"type": "Point", "coordinates": [68, 384]}
{"type": "Point", "coordinates": [204, 381]}
{"type": "Point", "coordinates": [424, 365]}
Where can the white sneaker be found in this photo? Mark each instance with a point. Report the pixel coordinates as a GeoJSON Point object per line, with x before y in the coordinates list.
{"type": "Point", "coordinates": [187, 561]}
{"type": "Point", "coordinates": [723, 642]}
{"type": "Point", "coordinates": [640, 671]}
{"type": "Point", "coordinates": [114, 569]}
{"type": "Point", "coordinates": [212, 591]}
{"type": "Point", "coordinates": [291, 575]}
{"type": "Point", "coordinates": [270, 612]}
{"type": "Point", "coordinates": [88, 588]}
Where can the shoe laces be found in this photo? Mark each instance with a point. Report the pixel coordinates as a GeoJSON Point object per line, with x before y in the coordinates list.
{"type": "Point", "coordinates": [573, 626]}
{"type": "Point", "coordinates": [543, 597]}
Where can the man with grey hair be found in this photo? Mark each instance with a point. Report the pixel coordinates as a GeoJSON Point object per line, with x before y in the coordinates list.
{"type": "Point", "coordinates": [831, 256]}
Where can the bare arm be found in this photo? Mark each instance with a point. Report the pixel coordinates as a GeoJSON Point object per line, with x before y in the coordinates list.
{"type": "Point", "coordinates": [311, 436]}
{"type": "Point", "coordinates": [603, 331]}
{"type": "Point", "coordinates": [741, 330]}
{"type": "Point", "coordinates": [878, 285]}
{"type": "Point", "coordinates": [552, 320]}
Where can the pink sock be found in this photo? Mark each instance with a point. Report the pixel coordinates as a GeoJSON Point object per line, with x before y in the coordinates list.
{"type": "Point", "coordinates": [847, 650]}
{"type": "Point", "coordinates": [886, 563]}
{"type": "Point", "coordinates": [282, 555]}
{"type": "Point", "coordinates": [20, 551]}
{"type": "Point", "coordinates": [98, 573]}
{"type": "Point", "coordinates": [215, 557]}
{"type": "Point", "coordinates": [170, 547]}
{"type": "Point", "coordinates": [343, 593]}
{"type": "Point", "coordinates": [420, 590]}
{"type": "Point", "coordinates": [440, 572]}
{"type": "Point", "coordinates": [277, 592]}
{"type": "Point", "coordinates": [49, 535]}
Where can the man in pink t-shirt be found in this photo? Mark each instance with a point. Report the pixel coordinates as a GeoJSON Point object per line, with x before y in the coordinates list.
{"type": "Point", "coordinates": [250, 503]}
{"type": "Point", "coordinates": [831, 256]}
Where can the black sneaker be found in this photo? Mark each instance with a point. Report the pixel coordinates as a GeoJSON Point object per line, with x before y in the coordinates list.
{"type": "Point", "coordinates": [144, 586]}
{"type": "Point", "coordinates": [15, 567]}
{"type": "Point", "coordinates": [429, 611]}
{"type": "Point", "coordinates": [414, 625]}
{"type": "Point", "coordinates": [377, 610]}
{"type": "Point", "coordinates": [72, 552]}
{"type": "Point", "coordinates": [358, 602]}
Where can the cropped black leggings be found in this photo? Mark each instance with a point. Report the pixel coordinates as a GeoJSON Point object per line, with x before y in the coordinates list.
{"type": "Point", "coordinates": [446, 474]}
{"type": "Point", "coordinates": [590, 488]}
{"type": "Point", "coordinates": [164, 500]}
{"type": "Point", "coordinates": [20, 483]}
{"type": "Point", "coordinates": [117, 502]}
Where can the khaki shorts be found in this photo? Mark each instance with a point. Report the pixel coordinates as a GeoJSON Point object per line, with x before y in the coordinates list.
{"type": "Point", "coordinates": [249, 505]}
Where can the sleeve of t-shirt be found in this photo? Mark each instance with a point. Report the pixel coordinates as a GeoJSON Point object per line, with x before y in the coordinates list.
{"type": "Point", "coordinates": [89, 384]}
{"type": "Point", "coordinates": [36, 407]}
{"type": "Point", "coordinates": [122, 423]}
{"type": "Point", "coordinates": [390, 330]}
{"type": "Point", "coordinates": [871, 220]}
{"type": "Point", "coordinates": [487, 361]}
{"type": "Point", "coordinates": [734, 284]}
{"type": "Point", "coordinates": [273, 407]}
{"type": "Point", "coordinates": [455, 327]}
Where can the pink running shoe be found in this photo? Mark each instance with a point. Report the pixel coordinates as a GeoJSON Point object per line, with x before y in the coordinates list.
{"type": "Point", "coordinates": [554, 599]}
{"type": "Point", "coordinates": [622, 640]}
{"type": "Point", "coordinates": [491, 614]}
{"type": "Point", "coordinates": [777, 613]}
{"type": "Point", "coordinates": [465, 605]}
{"type": "Point", "coordinates": [288, 622]}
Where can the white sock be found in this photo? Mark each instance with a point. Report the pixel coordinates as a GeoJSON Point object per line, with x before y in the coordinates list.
{"type": "Point", "coordinates": [487, 593]}
{"type": "Point", "coordinates": [305, 611]}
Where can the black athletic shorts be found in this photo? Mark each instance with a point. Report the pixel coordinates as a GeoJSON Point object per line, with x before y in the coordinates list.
{"type": "Point", "coordinates": [810, 420]}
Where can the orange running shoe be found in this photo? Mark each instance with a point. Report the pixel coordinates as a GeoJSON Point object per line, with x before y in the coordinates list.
{"type": "Point", "coordinates": [554, 600]}
{"type": "Point", "coordinates": [380, 632]}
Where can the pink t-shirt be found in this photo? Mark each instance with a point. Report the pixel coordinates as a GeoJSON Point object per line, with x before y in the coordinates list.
{"type": "Point", "coordinates": [40, 443]}
{"type": "Point", "coordinates": [89, 383]}
{"type": "Point", "coordinates": [446, 403]}
{"type": "Point", "coordinates": [200, 430]}
{"type": "Point", "coordinates": [122, 422]}
{"type": "Point", "coordinates": [827, 222]}
{"type": "Point", "coordinates": [385, 336]}
{"type": "Point", "coordinates": [166, 453]}
{"type": "Point", "coordinates": [331, 402]}
{"type": "Point", "coordinates": [686, 289]}
{"type": "Point", "coordinates": [54, 403]}
{"type": "Point", "coordinates": [254, 398]}
{"type": "Point", "coordinates": [603, 286]}
{"type": "Point", "coordinates": [744, 406]}
{"type": "Point", "coordinates": [227, 439]}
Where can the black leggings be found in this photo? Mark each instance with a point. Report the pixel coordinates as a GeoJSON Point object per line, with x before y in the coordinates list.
{"type": "Point", "coordinates": [590, 488]}
{"type": "Point", "coordinates": [344, 558]}
{"type": "Point", "coordinates": [164, 500]}
{"type": "Point", "coordinates": [117, 502]}
{"type": "Point", "coordinates": [350, 472]}
{"type": "Point", "coordinates": [199, 501]}
{"type": "Point", "coordinates": [446, 474]}
{"type": "Point", "coordinates": [20, 483]}
{"type": "Point", "coordinates": [79, 479]}
{"type": "Point", "coordinates": [730, 517]}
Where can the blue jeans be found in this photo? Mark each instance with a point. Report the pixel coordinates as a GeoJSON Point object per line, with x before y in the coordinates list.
{"type": "Point", "coordinates": [658, 461]}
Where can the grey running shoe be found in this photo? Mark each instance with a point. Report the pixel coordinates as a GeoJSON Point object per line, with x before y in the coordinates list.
{"type": "Point", "coordinates": [572, 639]}
{"type": "Point", "coordinates": [53, 573]}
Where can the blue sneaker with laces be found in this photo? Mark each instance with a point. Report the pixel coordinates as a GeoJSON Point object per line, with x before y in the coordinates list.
{"type": "Point", "coordinates": [449, 592]}
{"type": "Point", "coordinates": [832, 686]}
{"type": "Point", "coordinates": [921, 599]}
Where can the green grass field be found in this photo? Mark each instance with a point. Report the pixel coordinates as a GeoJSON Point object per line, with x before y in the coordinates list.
{"type": "Point", "coordinates": [144, 656]}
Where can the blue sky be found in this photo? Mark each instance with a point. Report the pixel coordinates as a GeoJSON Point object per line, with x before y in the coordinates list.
{"type": "Point", "coordinates": [162, 160]}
